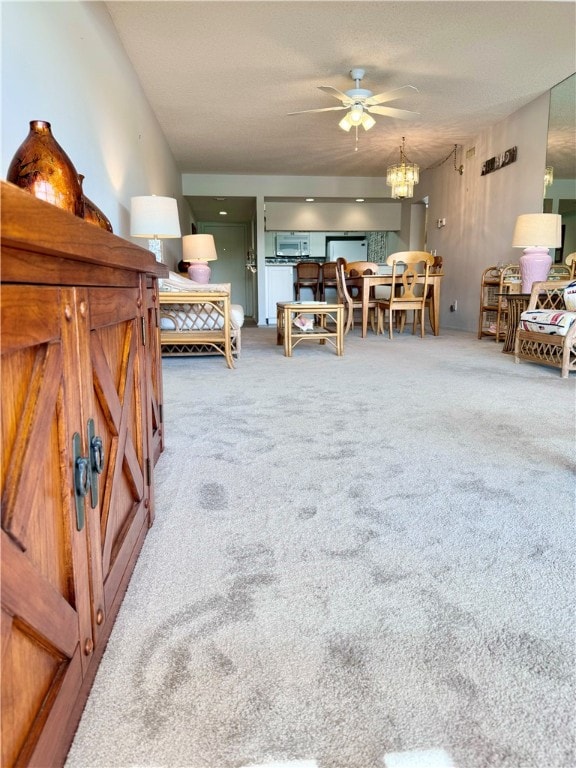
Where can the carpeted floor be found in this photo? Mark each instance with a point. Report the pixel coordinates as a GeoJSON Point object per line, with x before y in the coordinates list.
{"type": "Point", "coordinates": [353, 559]}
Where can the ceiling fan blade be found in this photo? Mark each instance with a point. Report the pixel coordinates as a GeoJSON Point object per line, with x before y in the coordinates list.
{"type": "Point", "coordinates": [324, 109]}
{"type": "Point", "coordinates": [331, 91]}
{"type": "Point", "coordinates": [401, 114]}
{"type": "Point", "coordinates": [380, 98]}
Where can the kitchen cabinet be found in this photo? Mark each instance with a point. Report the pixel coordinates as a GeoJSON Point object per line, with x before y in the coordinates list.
{"type": "Point", "coordinates": [81, 430]}
{"type": "Point", "coordinates": [279, 287]}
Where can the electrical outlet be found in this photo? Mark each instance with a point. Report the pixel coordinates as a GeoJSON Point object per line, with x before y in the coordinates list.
{"type": "Point", "coordinates": [454, 306]}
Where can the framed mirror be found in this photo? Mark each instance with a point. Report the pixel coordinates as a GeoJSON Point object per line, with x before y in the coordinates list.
{"type": "Point", "coordinates": [560, 178]}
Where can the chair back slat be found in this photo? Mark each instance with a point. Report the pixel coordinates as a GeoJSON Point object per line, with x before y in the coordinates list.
{"type": "Point", "coordinates": [355, 268]}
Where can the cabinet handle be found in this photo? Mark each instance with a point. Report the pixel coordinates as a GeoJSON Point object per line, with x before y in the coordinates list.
{"type": "Point", "coordinates": [82, 475]}
{"type": "Point", "coordinates": [97, 454]}
{"type": "Point", "coordinates": [96, 461]}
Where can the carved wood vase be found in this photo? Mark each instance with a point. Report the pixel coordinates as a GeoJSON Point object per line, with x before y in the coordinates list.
{"type": "Point", "coordinates": [92, 213]}
{"type": "Point", "coordinates": [41, 167]}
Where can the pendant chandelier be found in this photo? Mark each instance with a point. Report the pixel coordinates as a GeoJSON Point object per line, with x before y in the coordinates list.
{"type": "Point", "coordinates": [402, 176]}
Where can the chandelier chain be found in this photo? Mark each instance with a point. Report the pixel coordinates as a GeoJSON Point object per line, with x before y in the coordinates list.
{"type": "Point", "coordinates": [452, 153]}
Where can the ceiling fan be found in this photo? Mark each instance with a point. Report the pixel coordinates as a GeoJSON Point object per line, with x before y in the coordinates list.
{"type": "Point", "coordinates": [360, 101]}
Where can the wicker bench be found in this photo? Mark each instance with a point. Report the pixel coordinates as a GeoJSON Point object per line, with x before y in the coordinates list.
{"type": "Point", "coordinates": [199, 320]}
{"type": "Point", "coordinates": [547, 329]}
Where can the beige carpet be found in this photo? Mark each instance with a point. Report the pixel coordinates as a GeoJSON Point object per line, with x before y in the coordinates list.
{"type": "Point", "coordinates": [355, 561]}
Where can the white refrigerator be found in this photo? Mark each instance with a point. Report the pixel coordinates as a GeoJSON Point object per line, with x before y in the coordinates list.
{"type": "Point", "coordinates": [351, 250]}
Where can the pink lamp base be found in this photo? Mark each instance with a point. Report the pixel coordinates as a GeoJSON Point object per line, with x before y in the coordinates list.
{"type": "Point", "coordinates": [199, 271]}
{"type": "Point", "coordinates": [534, 266]}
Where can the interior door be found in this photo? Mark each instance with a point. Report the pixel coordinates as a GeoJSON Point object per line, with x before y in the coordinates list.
{"type": "Point", "coordinates": [117, 401]}
{"type": "Point", "coordinates": [232, 248]}
{"type": "Point", "coordinates": [46, 622]}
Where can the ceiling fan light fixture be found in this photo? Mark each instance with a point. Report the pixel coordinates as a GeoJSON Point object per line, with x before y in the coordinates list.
{"type": "Point", "coordinates": [345, 123]}
{"type": "Point", "coordinates": [356, 114]}
{"type": "Point", "coordinates": [402, 176]}
{"type": "Point", "coordinates": [368, 121]}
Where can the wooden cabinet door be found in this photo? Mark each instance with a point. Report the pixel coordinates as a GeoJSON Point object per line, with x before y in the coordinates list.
{"type": "Point", "coordinates": [154, 371]}
{"type": "Point", "coordinates": [279, 287]}
{"type": "Point", "coordinates": [116, 404]}
{"type": "Point", "coordinates": [46, 623]}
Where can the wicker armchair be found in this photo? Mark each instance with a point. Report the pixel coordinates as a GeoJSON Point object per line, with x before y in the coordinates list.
{"type": "Point", "coordinates": [547, 330]}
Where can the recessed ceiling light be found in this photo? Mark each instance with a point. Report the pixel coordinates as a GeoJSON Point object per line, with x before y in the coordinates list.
{"type": "Point", "coordinates": [223, 213]}
{"type": "Point", "coordinates": [220, 198]}
{"type": "Point", "coordinates": [309, 199]}
{"type": "Point", "coordinates": [359, 199]}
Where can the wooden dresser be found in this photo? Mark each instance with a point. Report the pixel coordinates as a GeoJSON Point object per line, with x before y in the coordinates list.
{"type": "Point", "coordinates": [81, 389]}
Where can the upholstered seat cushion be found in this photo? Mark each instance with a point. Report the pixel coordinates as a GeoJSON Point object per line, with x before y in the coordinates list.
{"type": "Point", "coordinates": [190, 317]}
{"type": "Point", "coordinates": [555, 322]}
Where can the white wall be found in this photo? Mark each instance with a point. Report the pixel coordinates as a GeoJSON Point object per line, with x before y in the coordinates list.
{"type": "Point", "coordinates": [64, 63]}
{"type": "Point", "coordinates": [343, 217]}
{"type": "Point", "coordinates": [481, 211]}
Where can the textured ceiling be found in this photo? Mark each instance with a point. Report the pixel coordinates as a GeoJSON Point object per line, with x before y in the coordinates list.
{"type": "Point", "coordinates": [223, 76]}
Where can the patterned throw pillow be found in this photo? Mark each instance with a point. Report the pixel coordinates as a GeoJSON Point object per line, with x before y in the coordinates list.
{"type": "Point", "coordinates": [553, 322]}
{"type": "Point", "coordinates": [570, 296]}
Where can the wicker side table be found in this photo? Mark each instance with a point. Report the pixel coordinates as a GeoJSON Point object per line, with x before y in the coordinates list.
{"type": "Point", "coordinates": [517, 303]}
{"type": "Point", "coordinates": [287, 334]}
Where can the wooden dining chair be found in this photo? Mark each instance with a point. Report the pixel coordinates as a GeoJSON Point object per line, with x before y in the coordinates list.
{"type": "Point", "coordinates": [435, 267]}
{"type": "Point", "coordinates": [351, 304]}
{"type": "Point", "coordinates": [328, 278]}
{"type": "Point", "coordinates": [307, 276]}
{"type": "Point", "coordinates": [354, 268]}
{"type": "Point", "coordinates": [408, 290]}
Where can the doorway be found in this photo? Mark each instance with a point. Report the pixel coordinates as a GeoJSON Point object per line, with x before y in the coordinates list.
{"type": "Point", "coordinates": [230, 267]}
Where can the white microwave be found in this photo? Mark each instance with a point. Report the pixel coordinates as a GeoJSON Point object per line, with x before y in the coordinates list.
{"type": "Point", "coordinates": [292, 245]}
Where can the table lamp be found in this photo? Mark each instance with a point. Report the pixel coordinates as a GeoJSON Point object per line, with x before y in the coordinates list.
{"type": "Point", "coordinates": [536, 233]}
{"type": "Point", "coordinates": [156, 218]}
{"type": "Point", "coordinates": [198, 250]}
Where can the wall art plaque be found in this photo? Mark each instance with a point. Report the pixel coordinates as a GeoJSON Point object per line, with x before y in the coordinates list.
{"type": "Point", "coordinates": [499, 161]}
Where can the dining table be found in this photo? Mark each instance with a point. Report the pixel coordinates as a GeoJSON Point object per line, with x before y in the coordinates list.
{"type": "Point", "coordinates": [366, 282]}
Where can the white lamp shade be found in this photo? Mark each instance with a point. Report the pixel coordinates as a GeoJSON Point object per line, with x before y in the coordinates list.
{"type": "Point", "coordinates": [345, 123]}
{"type": "Point", "coordinates": [355, 114]}
{"type": "Point", "coordinates": [368, 121]}
{"type": "Point", "coordinates": [153, 216]}
{"type": "Point", "coordinates": [198, 248]}
{"type": "Point", "coordinates": [538, 229]}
